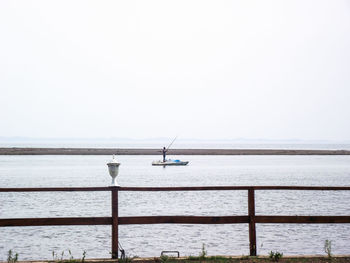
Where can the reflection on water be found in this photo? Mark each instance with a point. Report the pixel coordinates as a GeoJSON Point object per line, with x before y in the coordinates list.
{"type": "Point", "coordinates": [150, 240]}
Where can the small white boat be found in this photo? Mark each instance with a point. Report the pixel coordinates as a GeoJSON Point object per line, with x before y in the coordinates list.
{"type": "Point", "coordinates": [170, 162]}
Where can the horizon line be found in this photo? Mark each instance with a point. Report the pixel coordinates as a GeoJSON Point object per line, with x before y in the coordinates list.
{"type": "Point", "coordinates": [239, 139]}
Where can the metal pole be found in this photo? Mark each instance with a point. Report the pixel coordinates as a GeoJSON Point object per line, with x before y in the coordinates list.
{"type": "Point", "coordinates": [115, 222]}
{"type": "Point", "coordinates": [252, 230]}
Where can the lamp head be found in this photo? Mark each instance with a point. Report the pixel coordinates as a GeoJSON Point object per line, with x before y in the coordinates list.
{"type": "Point", "coordinates": [113, 168]}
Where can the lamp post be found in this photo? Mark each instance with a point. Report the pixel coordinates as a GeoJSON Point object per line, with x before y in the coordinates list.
{"type": "Point", "coordinates": [113, 168]}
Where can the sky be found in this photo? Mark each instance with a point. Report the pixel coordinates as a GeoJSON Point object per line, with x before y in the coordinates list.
{"type": "Point", "coordinates": [205, 69]}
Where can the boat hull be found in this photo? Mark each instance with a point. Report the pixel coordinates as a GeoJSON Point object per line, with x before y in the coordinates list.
{"type": "Point", "coordinates": [166, 163]}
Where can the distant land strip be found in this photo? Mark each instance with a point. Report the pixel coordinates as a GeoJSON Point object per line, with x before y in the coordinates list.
{"type": "Point", "coordinates": [143, 151]}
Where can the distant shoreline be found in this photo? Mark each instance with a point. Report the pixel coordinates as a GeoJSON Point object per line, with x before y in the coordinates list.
{"type": "Point", "coordinates": [144, 151]}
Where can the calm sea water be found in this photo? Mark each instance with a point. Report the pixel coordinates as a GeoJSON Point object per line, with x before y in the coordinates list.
{"type": "Point", "coordinates": [150, 240]}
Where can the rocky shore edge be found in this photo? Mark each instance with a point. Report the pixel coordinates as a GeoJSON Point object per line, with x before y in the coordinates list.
{"type": "Point", "coordinates": [212, 259]}
{"type": "Point", "coordinates": [146, 151]}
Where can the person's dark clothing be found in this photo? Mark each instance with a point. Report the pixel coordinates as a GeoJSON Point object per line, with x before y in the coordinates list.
{"type": "Point", "coordinates": [164, 153]}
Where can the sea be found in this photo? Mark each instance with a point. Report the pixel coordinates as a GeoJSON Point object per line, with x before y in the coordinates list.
{"type": "Point", "coordinates": [33, 243]}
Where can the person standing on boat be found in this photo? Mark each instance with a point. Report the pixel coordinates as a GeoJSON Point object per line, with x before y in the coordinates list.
{"type": "Point", "coordinates": [164, 154]}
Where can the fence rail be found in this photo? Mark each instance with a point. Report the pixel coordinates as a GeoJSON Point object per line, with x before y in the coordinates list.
{"type": "Point", "coordinates": [115, 220]}
{"type": "Point", "coordinates": [167, 189]}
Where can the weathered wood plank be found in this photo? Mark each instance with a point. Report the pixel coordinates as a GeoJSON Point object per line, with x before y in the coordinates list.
{"type": "Point", "coordinates": [57, 189]}
{"type": "Point", "coordinates": [252, 230]}
{"type": "Point", "coordinates": [183, 220]}
{"type": "Point", "coordinates": [60, 221]}
{"type": "Point", "coordinates": [228, 188]}
{"type": "Point", "coordinates": [302, 188]}
{"type": "Point", "coordinates": [174, 220]}
{"type": "Point", "coordinates": [302, 219]}
{"type": "Point", "coordinates": [115, 221]}
{"type": "Point", "coordinates": [187, 188]}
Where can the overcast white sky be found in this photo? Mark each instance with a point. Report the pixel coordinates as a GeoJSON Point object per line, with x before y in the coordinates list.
{"type": "Point", "coordinates": [202, 69]}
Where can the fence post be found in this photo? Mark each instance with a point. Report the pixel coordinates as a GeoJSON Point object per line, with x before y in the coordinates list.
{"type": "Point", "coordinates": [252, 230]}
{"type": "Point", "coordinates": [115, 221]}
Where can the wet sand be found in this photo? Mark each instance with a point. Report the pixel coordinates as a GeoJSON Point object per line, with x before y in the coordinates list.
{"type": "Point", "coordinates": [132, 151]}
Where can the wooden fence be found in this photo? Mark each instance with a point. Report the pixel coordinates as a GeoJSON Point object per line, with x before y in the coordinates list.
{"type": "Point", "coordinates": [115, 220]}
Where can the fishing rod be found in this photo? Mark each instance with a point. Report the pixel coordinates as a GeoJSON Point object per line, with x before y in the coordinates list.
{"type": "Point", "coordinates": [171, 143]}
